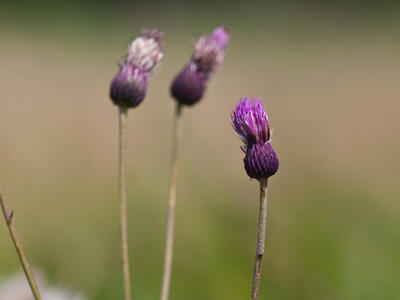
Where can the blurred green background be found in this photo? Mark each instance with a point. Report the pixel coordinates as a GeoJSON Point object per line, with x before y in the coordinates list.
{"type": "Point", "coordinates": [328, 72]}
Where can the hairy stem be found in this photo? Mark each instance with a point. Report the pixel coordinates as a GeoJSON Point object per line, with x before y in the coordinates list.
{"type": "Point", "coordinates": [173, 178]}
{"type": "Point", "coordinates": [126, 282]}
{"type": "Point", "coordinates": [262, 225]}
{"type": "Point", "coordinates": [8, 216]}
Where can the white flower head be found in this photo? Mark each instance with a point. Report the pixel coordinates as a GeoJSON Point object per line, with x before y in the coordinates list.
{"type": "Point", "coordinates": [61, 294]}
{"type": "Point", "coordinates": [146, 51]}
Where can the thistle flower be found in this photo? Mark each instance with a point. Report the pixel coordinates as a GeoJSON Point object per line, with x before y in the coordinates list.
{"type": "Point", "coordinates": [128, 89]}
{"type": "Point", "coordinates": [189, 85]}
{"type": "Point", "coordinates": [251, 124]}
{"type": "Point", "coordinates": [188, 88]}
{"type": "Point", "coordinates": [129, 86]}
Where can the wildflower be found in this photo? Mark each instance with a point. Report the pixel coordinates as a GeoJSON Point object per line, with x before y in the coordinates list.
{"type": "Point", "coordinates": [251, 124]}
{"type": "Point", "coordinates": [129, 86]}
{"type": "Point", "coordinates": [128, 89]}
{"type": "Point", "coordinates": [189, 85]}
{"type": "Point", "coordinates": [188, 88]}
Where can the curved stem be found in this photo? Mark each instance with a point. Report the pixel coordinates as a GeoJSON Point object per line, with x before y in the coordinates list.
{"type": "Point", "coordinates": [173, 178]}
{"type": "Point", "coordinates": [262, 225]}
{"type": "Point", "coordinates": [8, 216]}
{"type": "Point", "coordinates": [123, 112]}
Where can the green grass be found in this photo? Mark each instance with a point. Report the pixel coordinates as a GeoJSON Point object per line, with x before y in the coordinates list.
{"type": "Point", "coordinates": [323, 243]}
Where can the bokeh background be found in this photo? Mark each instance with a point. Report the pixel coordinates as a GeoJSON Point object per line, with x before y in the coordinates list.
{"type": "Point", "coordinates": [328, 72]}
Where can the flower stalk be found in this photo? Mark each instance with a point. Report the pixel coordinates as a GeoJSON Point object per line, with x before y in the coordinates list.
{"type": "Point", "coordinates": [262, 226]}
{"type": "Point", "coordinates": [172, 189]}
{"type": "Point", "coordinates": [9, 218]}
{"type": "Point", "coordinates": [189, 85]}
{"type": "Point", "coordinates": [188, 88]}
{"type": "Point", "coordinates": [251, 124]}
{"type": "Point", "coordinates": [123, 113]}
{"type": "Point", "coordinates": [128, 89]}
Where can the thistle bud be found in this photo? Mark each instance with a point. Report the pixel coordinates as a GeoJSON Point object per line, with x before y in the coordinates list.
{"type": "Point", "coordinates": [251, 124]}
{"type": "Point", "coordinates": [129, 86]}
{"type": "Point", "coordinates": [190, 84]}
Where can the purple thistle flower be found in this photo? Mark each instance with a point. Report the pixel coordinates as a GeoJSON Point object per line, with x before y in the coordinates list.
{"type": "Point", "coordinates": [209, 51]}
{"type": "Point", "coordinates": [129, 86]}
{"type": "Point", "coordinates": [250, 123]}
{"type": "Point", "coordinates": [189, 85]}
{"type": "Point", "coordinates": [221, 36]}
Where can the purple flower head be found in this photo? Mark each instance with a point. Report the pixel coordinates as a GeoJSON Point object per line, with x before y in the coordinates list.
{"type": "Point", "coordinates": [190, 84]}
{"type": "Point", "coordinates": [260, 161]}
{"type": "Point", "coordinates": [209, 51]}
{"type": "Point", "coordinates": [250, 121]}
{"type": "Point", "coordinates": [220, 36]}
{"type": "Point", "coordinates": [128, 87]}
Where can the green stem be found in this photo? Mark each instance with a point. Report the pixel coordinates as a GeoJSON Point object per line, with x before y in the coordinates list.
{"type": "Point", "coordinates": [123, 112]}
{"type": "Point", "coordinates": [8, 216]}
{"type": "Point", "coordinates": [173, 178]}
{"type": "Point", "coordinates": [262, 225]}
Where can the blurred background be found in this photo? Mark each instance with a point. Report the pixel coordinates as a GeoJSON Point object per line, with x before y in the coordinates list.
{"type": "Point", "coordinates": [328, 72]}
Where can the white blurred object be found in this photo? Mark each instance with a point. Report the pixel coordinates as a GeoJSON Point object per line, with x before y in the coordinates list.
{"type": "Point", "coordinates": [17, 288]}
{"type": "Point", "coordinates": [60, 294]}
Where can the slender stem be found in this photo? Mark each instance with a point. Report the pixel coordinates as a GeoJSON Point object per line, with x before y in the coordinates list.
{"type": "Point", "coordinates": [123, 112]}
{"type": "Point", "coordinates": [8, 216]}
{"type": "Point", "coordinates": [173, 178]}
{"type": "Point", "coordinates": [262, 225]}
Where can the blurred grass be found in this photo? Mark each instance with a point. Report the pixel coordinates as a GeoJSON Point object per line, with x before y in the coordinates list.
{"type": "Point", "coordinates": [331, 90]}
